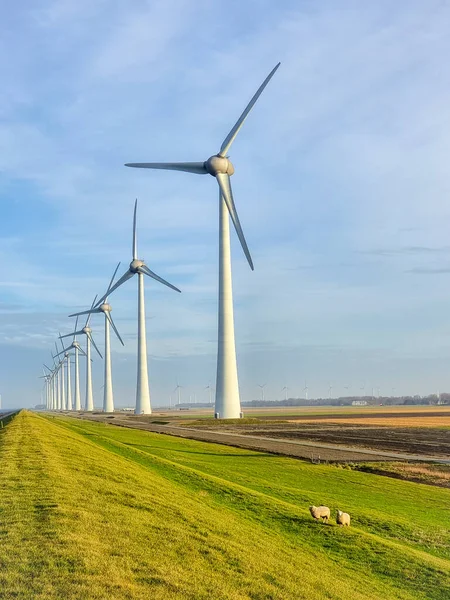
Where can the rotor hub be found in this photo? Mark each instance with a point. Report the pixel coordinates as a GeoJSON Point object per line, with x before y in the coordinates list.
{"type": "Point", "coordinates": [218, 164]}
{"type": "Point", "coordinates": [86, 330]}
{"type": "Point", "coordinates": [105, 307]}
{"type": "Point", "coordinates": [135, 265]}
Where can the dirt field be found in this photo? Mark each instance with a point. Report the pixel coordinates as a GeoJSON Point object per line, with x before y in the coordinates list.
{"type": "Point", "coordinates": [420, 432]}
{"type": "Point", "coordinates": [410, 440]}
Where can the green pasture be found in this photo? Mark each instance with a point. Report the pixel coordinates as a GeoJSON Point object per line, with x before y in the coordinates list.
{"type": "Point", "coordinates": [94, 511]}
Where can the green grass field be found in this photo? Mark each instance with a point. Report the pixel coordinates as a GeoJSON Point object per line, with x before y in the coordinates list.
{"type": "Point", "coordinates": [94, 511]}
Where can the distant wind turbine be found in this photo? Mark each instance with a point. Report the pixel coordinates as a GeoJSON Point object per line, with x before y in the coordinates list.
{"type": "Point", "coordinates": [67, 402]}
{"type": "Point", "coordinates": [139, 268]}
{"type": "Point", "coordinates": [178, 390]}
{"type": "Point", "coordinates": [228, 405]}
{"type": "Point", "coordinates": [62, 381]}
{"type": "Point", "coordinates": [262, 390]}
{"type": "Point", "coordinates": [105, 308]}
{"type": "Point", "coordinates": [87, 331]}
{"type": "Point", "coordinates": [305, 389]}
{"type": "Point", "coordinates": [75, 346]}
{"type": "Point", "coordinates": [285, 389]}
{"type": "Point", "coordinates": [209, 388]}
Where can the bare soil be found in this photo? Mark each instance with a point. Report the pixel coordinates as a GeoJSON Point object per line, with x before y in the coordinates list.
{"type": "Point", "coordinates": [410, 440]}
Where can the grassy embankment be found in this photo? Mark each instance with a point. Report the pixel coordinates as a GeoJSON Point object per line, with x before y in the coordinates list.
{"type": "Point", "coordinates": [93, 511]}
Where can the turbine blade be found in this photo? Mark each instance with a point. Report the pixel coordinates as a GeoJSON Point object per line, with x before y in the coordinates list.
{"type": "Point", "coordinates": [94, 344]}
{"type": "Point", "coordinates": [225, 188]}
{"type": "Point", "coordinates": [63, 351]}
{"type": "Point", "coordinates": [62, 345]}
{"type": "Point", "coordinates": [118, 283]}
{"type": "Point", "coordinates": [92, 306]}
{"type": "Point", "coordinates": [226, 144]}
{"type": "Point", "coordinates": [189, 167]}
{"type": "Point", "coordinates": [82, 351]}
{"type": "Point", "coordinates": [134, 232]}
{"type": "Point", "coordinates": [84, 312]}
{"type": "Point", "coordinates": [74, 330]}
{"type": "Point", "coordinates": [70, 334]}
{"type": "Point", "coordinates": [112, 279]}
{"type": "Point", "coordinates": [111, 322]}
{"type": "Point", "coordinates": [147, 271]}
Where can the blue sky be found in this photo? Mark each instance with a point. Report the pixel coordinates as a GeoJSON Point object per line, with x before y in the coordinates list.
{"type": "Point", "coordinates": [342, 186]}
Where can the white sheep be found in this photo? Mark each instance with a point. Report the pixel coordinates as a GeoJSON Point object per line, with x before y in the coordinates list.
{"type": "Point", "coordinates": [320, 512]}
{"type": "Point", "coordinates": [342, 518]}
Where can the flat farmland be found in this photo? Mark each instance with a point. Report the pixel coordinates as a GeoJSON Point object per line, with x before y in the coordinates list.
{"type": "Point", "coordinates": [412, 431]}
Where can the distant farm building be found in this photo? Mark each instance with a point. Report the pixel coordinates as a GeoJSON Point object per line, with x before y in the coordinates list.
{"type": "Point", "coordinates": [359, 403]}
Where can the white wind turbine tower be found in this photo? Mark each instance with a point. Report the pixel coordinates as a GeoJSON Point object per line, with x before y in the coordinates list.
{"type": "Point", "coordinates": [105, 308]}
{"type": "Point", "coordinates": [228, 404]}
{"type": "Point", "coordinates": [87, 331]}
{"type": "Point", "coordinates": [305, 389]}
{"type": "Point", "coordinates": [139, 268]}
{"type": "Point", "coordinates": [77, 349]}
{"type": "Point", "coordinates": [285, 390]}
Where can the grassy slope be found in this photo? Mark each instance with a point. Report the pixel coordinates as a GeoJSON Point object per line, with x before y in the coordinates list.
{"type": "Point", "coordinates": [89, 511]}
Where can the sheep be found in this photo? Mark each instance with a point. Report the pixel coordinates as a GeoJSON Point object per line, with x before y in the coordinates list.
{"type": "Point", "coordinates": [342, 518]}
{"type": "Point", "coordinates": [320, 512]}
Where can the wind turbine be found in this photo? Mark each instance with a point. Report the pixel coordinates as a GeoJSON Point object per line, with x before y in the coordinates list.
{"type": "Point", "coordinates": [50, 382]}
{"type": "Point", "coordinates": [228, 404]}
{"type": "Point", "coordinates": [330, 390]}
{"type": "Point", "coordinates": [56, 385]}
{"type": "Point", "coordinates": [285, 390]}
{"type": "Point", "coordinates": [178, 389]}
{"type": "Point", "coordinates": [305, 389]}
{"type": "Point", "coordinates": [76, 348]}
{"type": "Point", "coordinates": [62, 383]}
{"type": "Point", "coordinates": [105, 308]}
{"type": "Point", "coordinates": [67, 401]}
{"type": "Point", "coordinates": [46, 377]}
{"type": "Point", "coordinates": [209, 388]}
{"type": "Point", "coordinates": [139, 267]}
{"type": "Point", "coordinates": [262, 390]}
{"type": "Point", "coordinates": [87, 331]}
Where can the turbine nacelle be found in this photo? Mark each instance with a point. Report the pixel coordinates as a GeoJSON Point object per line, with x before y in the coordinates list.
{"type": "Point", "coordinates": [105, 307]}
{"type": "Point", "coordinates": [87, 330]}
{"type": "Point", "coordinates": [218, 164]}
{"type": "Point", "coordinates": [136, 265]}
